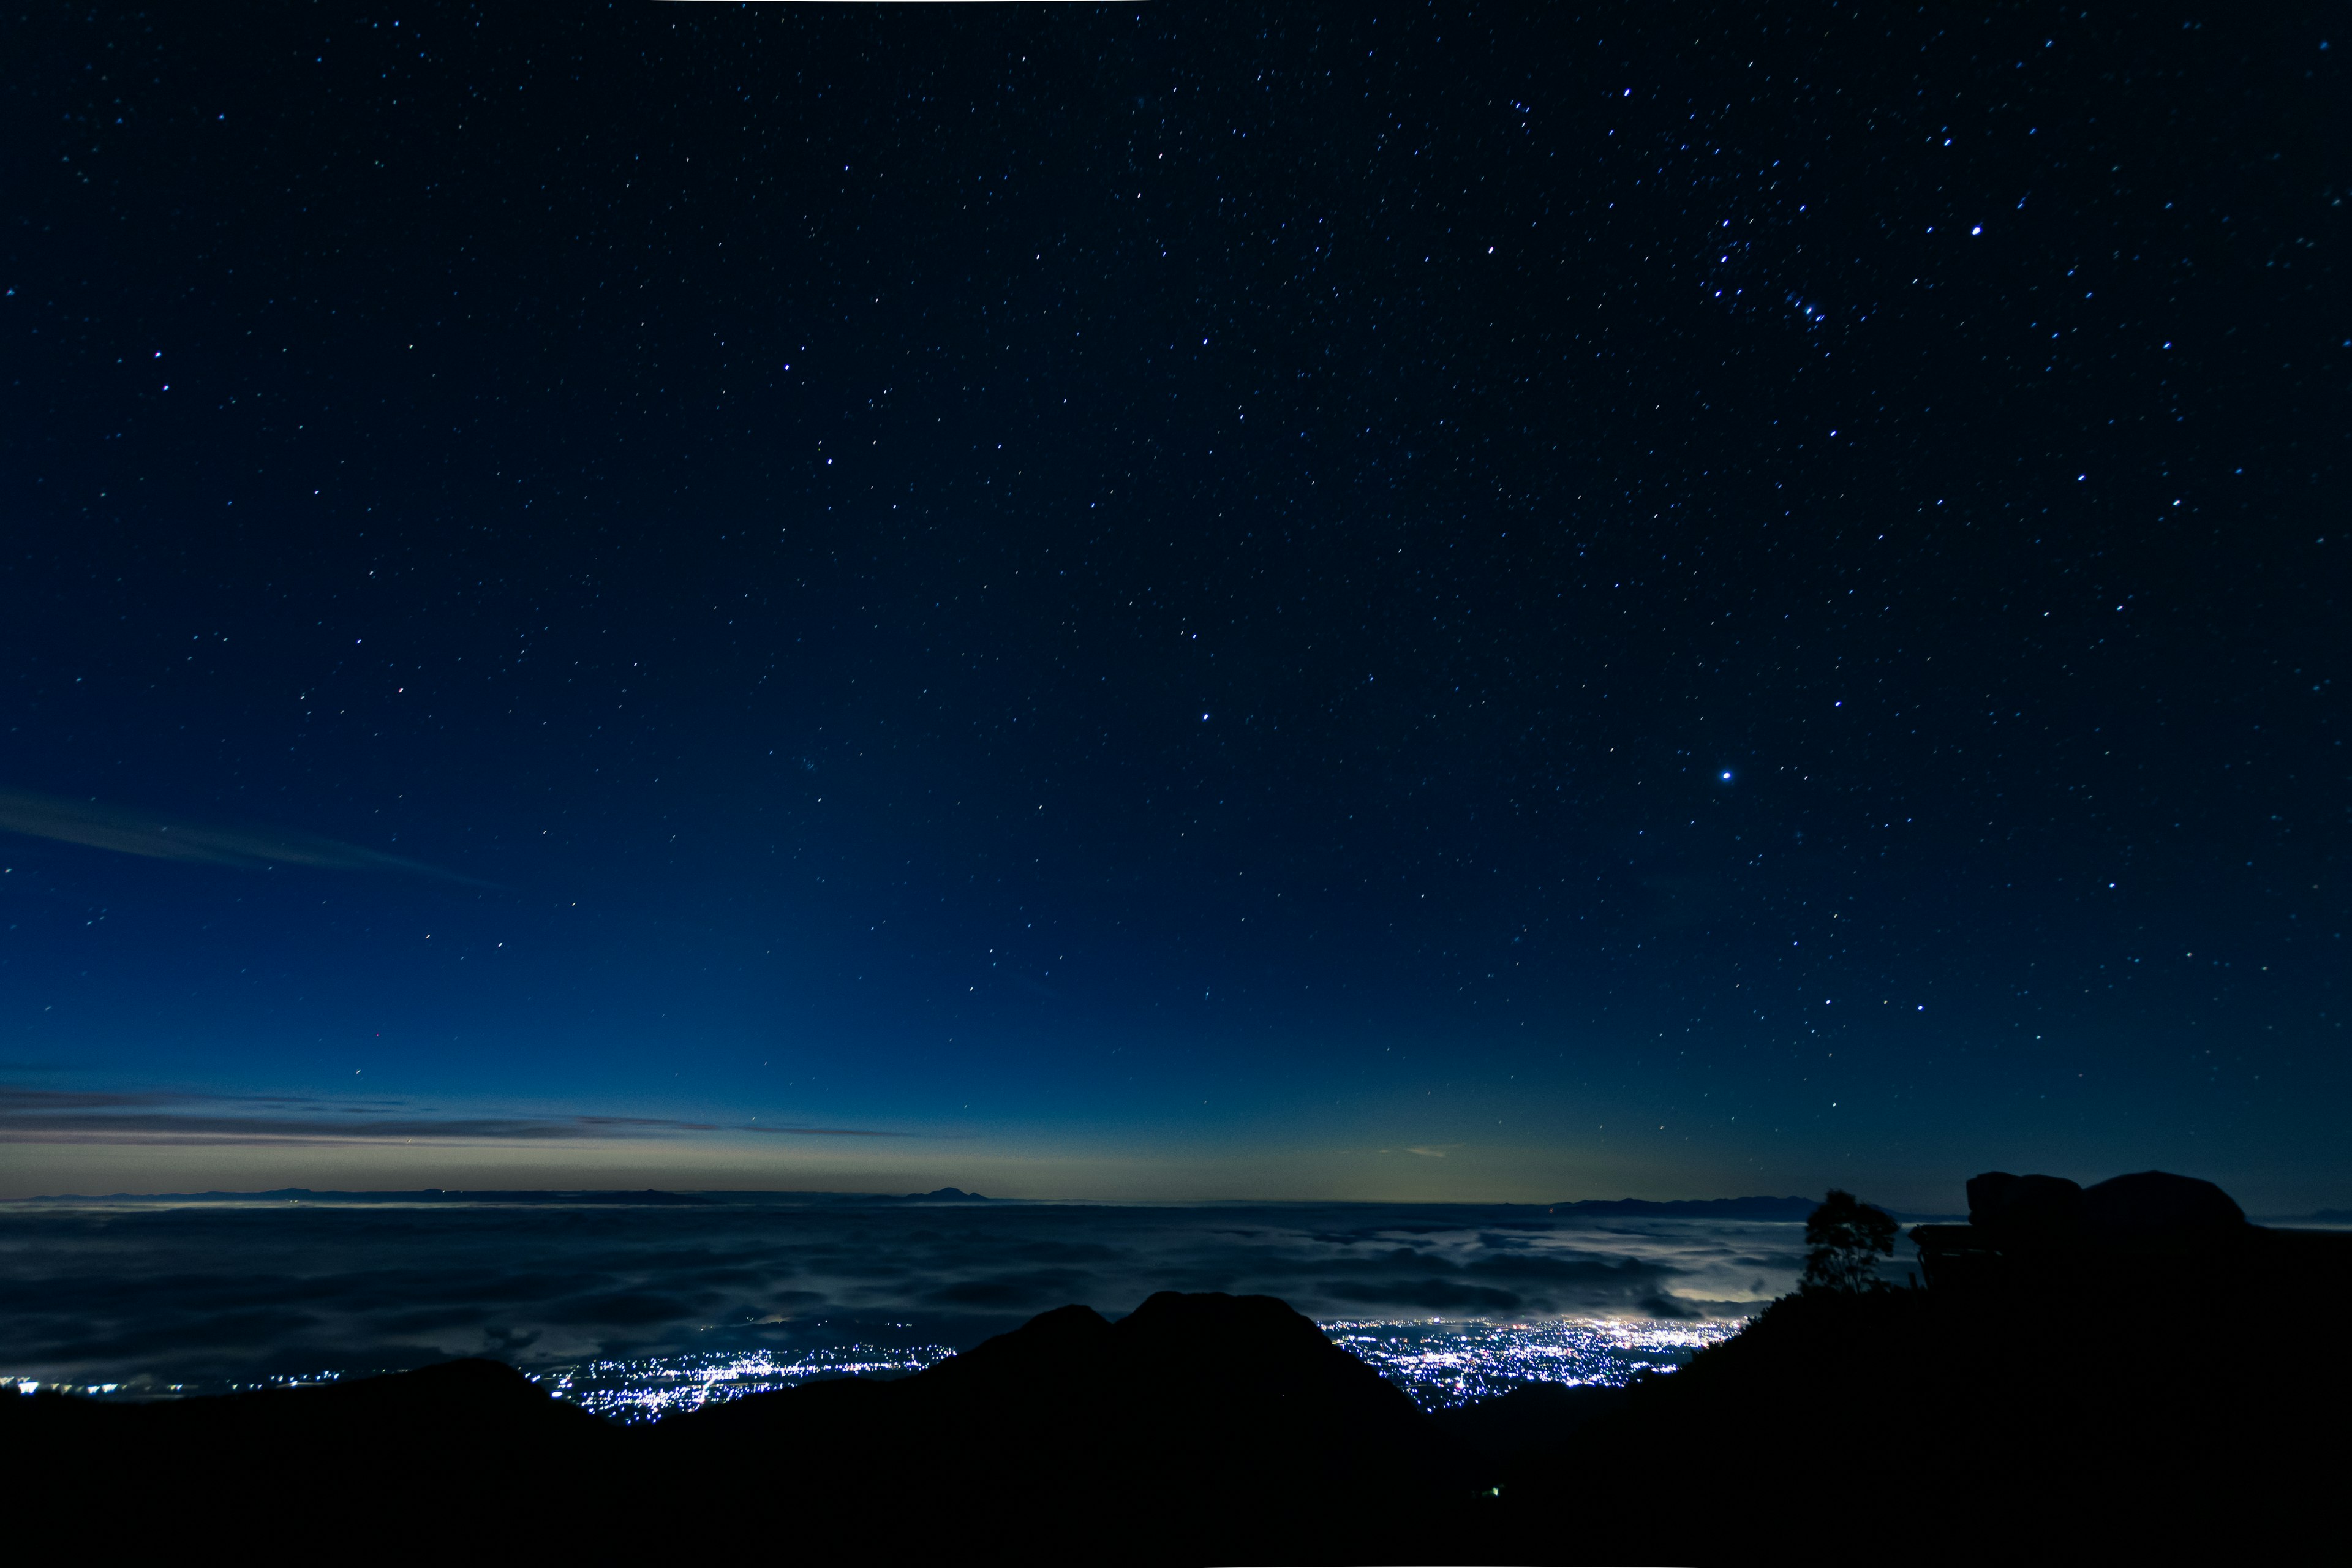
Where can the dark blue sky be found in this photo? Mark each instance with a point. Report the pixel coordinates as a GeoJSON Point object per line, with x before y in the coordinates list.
{"type": "Point", "coordinates": [1446, 602]}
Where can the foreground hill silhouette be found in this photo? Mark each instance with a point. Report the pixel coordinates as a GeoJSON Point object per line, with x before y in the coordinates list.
{"type": "Point", "coordinates": [454, 1457]}
{"type": "Point", "coordinates": [1198, 1428]}
{"type": "Point", "coordinates": [2018, 1409]}
{"type": "Point", "coordinates": [2095, 1374]}
{"type": "Point", "coordinates": [1902, 1427]}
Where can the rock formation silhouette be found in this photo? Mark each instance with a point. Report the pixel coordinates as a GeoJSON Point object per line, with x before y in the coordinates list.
{"type": "Point", "coordinates": [2071, 1387]}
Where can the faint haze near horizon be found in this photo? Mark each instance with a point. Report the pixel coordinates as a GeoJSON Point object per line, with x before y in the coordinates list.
{"type": "Point", "coordinates": [95, 1142]}
{"type": "Point", "coordinates": [1047, 1165]}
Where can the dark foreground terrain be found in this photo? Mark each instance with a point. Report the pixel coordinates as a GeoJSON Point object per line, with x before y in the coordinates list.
{"type": "Point", "coordinates": [1945, 1425]}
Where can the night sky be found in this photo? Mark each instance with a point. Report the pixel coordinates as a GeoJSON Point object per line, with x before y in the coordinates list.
{"type": "Point", "coordinates": [1179, 603]}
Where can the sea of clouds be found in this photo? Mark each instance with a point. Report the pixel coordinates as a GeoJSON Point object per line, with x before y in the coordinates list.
{"type": "Point", "coordinates": [150, 1294]}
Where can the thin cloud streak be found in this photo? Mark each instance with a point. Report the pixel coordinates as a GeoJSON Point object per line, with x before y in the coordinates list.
{"type": "Point", "coordinates": [150, 1117]}
{"type": "Point", "coordinates": [130, 832]}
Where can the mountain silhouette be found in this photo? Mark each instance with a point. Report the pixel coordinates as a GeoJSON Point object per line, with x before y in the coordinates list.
{"type": "Point", "coordinates": [1071, 1428]}
{"type": "Point", "coordinates": [1198, 1428]}
{"type": "Point", "coordinates": [1533, 1417]}
{"type": "Point", "coordinates": [2014, 1410]}
{"type": "Point", "coordinates": [444, 1456]}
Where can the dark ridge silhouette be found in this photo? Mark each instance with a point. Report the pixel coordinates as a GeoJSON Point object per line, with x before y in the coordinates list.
{"type": "Point", "coordinates": [2069, 1388]}
{"type": "Point", "coordinates": [458, 1456]}
{"type": "Point", "coordinates": [1231, 1424]}
{"type": "Point", "coordinates": [1534, 1417]}
{"type": "Point", "coordinates": [1200, 1428]}
{"type": "Point", "coordinates": [2019, 1407]}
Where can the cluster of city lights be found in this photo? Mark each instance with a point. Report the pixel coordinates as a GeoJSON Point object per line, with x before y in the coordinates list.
{"type": "Point", "coordinates": [1443, 1362]}
{"type": "Point", "coordinates": [1439, 1362]}
{"type": "Point", "coordinates": [653, 1386]}
{"type": "Point", "coordinates": [149, 1388]}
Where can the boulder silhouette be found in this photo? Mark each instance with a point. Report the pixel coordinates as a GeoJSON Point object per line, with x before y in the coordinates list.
{"type": "Point", "coordinates": [2026, 1209]}
{"type": "Point", "coordinates": [2159, 1206]}
{"type": "Point", "coordinates": [1987, 1427]}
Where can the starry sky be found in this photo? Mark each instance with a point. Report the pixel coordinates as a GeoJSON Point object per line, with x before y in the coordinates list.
{"type": "Point", "coordinates": [1182, 603]}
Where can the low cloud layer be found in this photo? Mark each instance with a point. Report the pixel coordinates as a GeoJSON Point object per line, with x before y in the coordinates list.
{"type": "Point", "coordinates": [110, 1293]}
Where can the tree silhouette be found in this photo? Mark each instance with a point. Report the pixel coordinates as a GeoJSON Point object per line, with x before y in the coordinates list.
{"type": "Point", "coordinates": [1847, 1238]}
